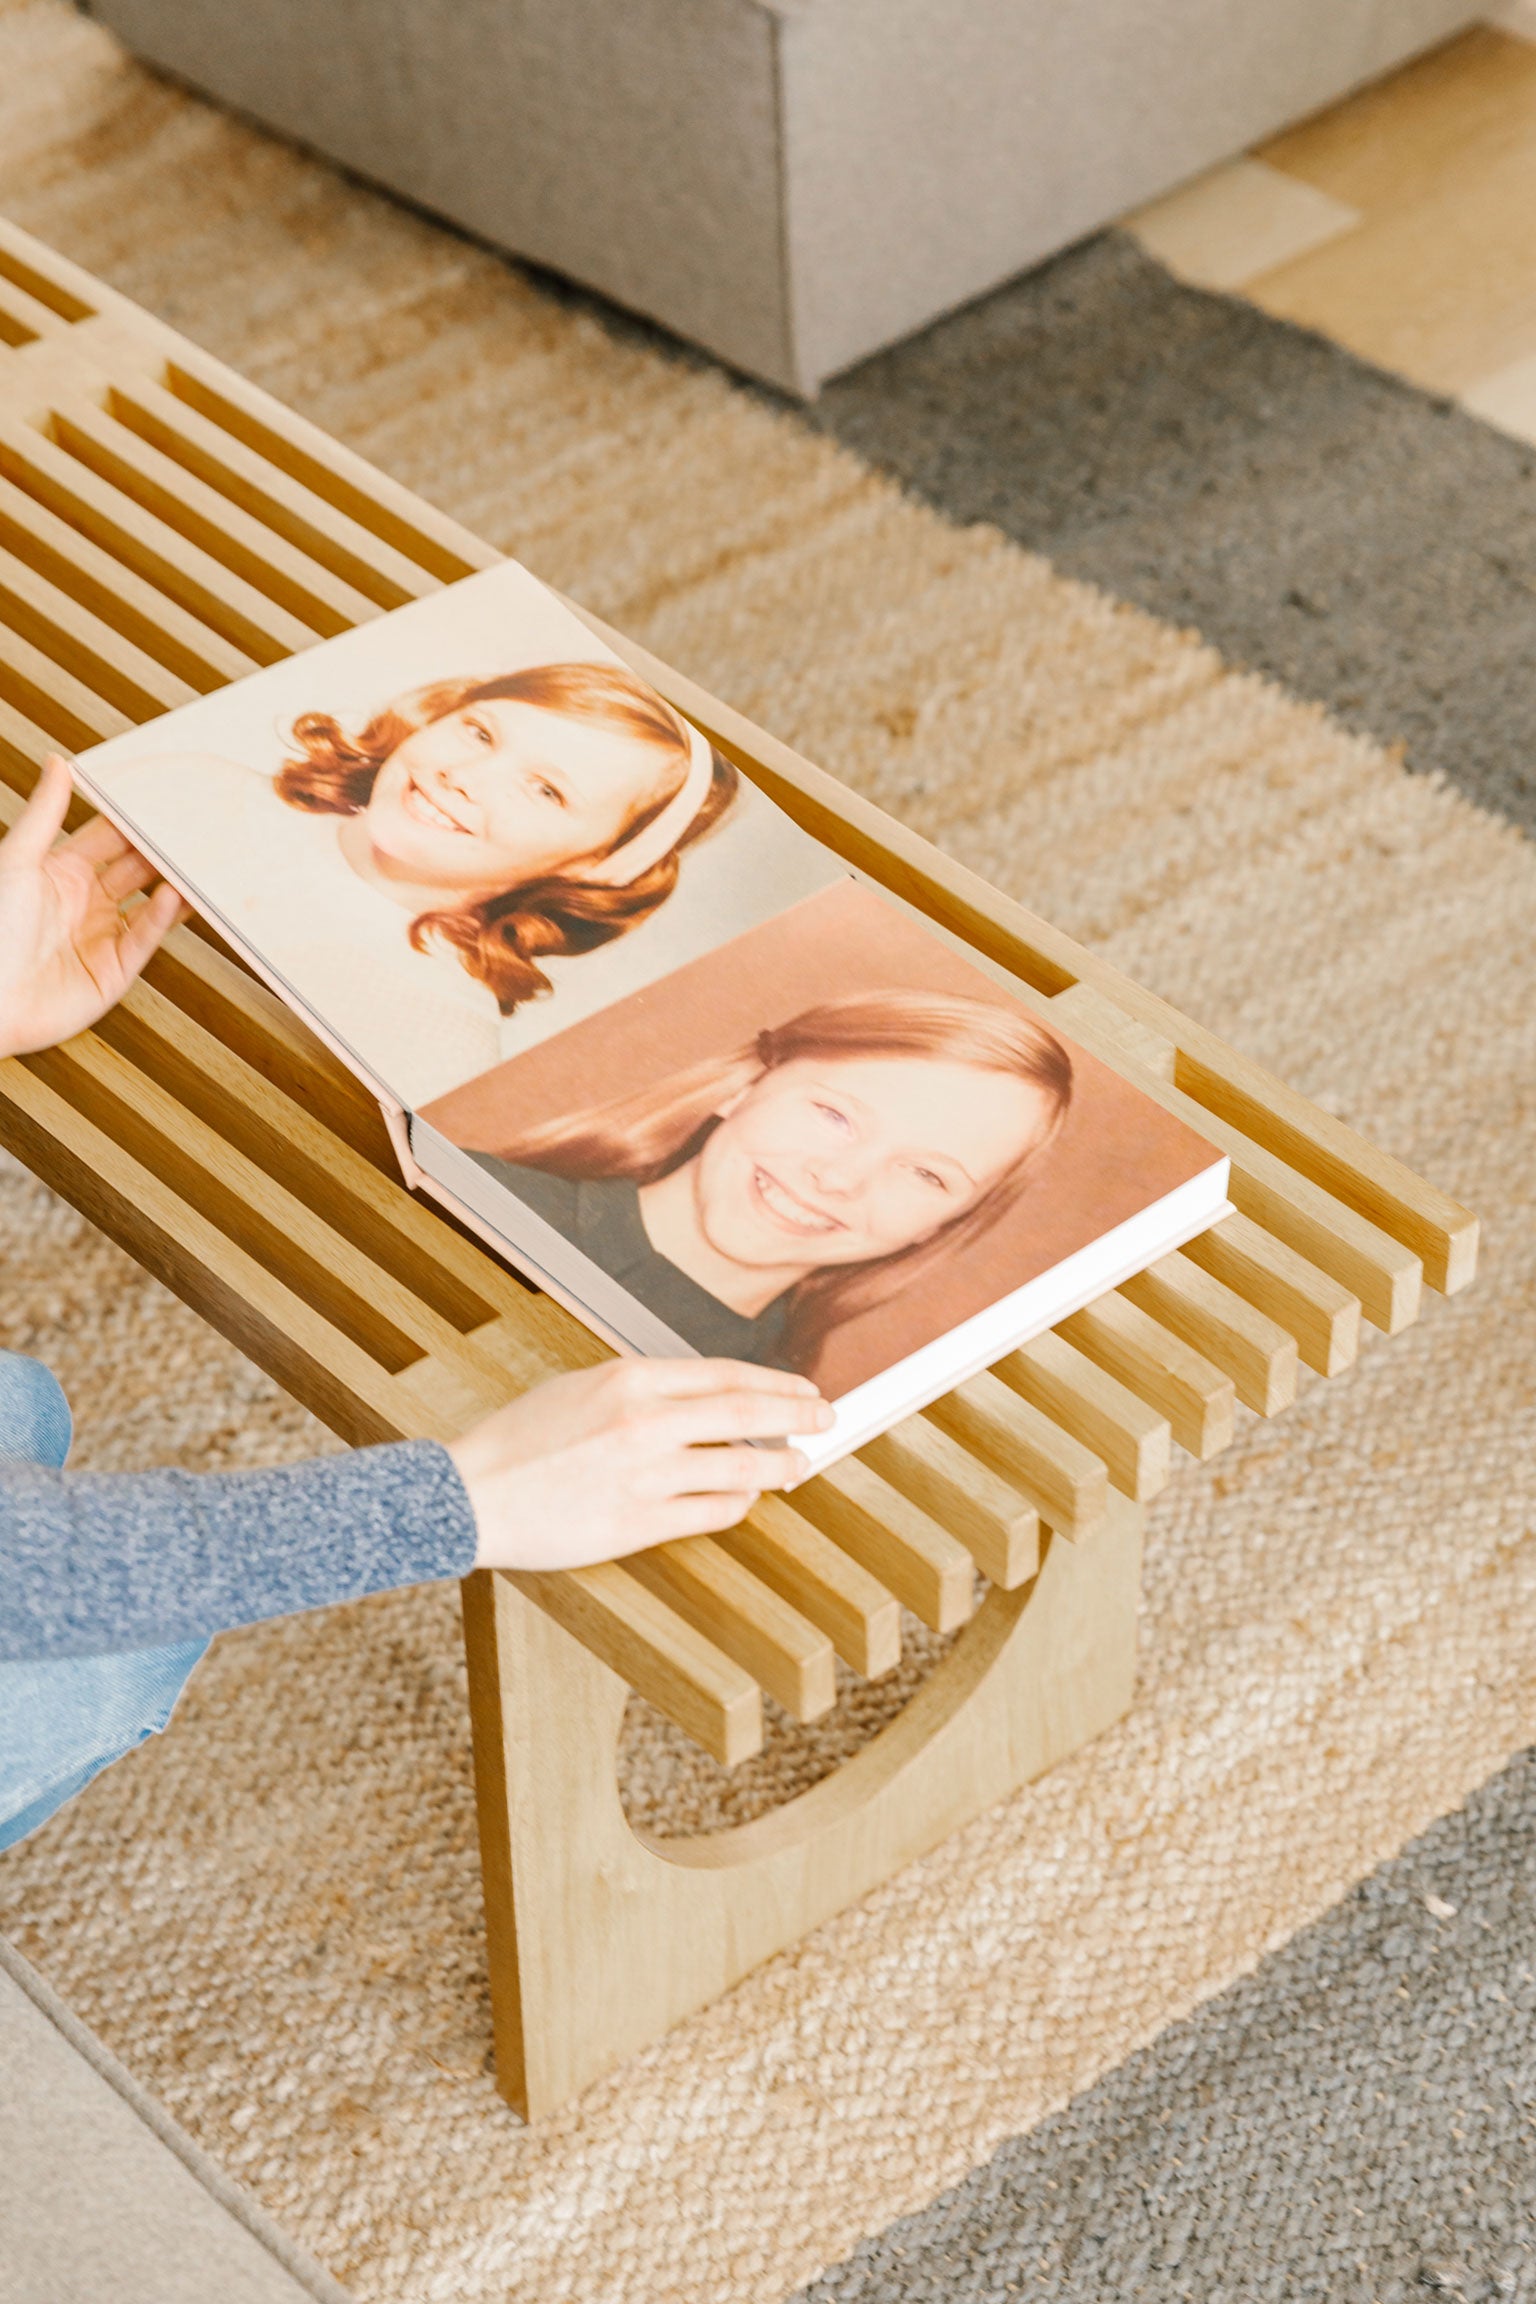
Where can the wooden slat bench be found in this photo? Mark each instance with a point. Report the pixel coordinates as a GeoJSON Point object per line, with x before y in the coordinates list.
{"type": "Point", "coordinates": [164, 528]}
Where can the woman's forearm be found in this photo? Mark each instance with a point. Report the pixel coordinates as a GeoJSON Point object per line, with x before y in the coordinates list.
{"type": "Point", "coordinates": [94, 1561]}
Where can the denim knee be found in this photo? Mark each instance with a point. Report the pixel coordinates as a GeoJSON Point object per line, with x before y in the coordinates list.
{"type": "Point", "coordinates": [35, 1423]}
{"type": "Point", "coordinates": [62, 1722]}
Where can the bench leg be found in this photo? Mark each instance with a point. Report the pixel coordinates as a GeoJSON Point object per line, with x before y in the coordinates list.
{"type": "Point", "coordinates": [600, 1940]}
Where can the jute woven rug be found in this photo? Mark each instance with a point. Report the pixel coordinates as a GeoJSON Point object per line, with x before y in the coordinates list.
{"type": "Point", "coordinates": [272, 1915]}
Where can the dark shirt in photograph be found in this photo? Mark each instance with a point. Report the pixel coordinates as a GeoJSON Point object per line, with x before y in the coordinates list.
{"type": "Point", "coordinates": [602, 1219]}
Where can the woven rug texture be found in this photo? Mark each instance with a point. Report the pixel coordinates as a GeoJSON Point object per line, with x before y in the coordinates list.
{"type": "Point", "coordinates": [272, 1914]}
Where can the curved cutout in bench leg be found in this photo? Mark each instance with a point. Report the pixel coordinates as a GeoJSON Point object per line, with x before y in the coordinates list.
{"type": "Point", "coordinates": [600, 1940]}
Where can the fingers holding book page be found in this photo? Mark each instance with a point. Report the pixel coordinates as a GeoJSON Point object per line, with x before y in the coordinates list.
{"type": "Point", "coordinates": [611, 1460]}
{"type": "Point", "coordinates": [71, 939]}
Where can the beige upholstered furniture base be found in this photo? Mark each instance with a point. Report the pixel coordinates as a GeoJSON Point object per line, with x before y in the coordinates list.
{"type": "Point", "coordinates": [790, 183]}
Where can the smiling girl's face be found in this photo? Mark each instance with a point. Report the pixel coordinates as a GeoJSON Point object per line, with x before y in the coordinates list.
{"type": "Point", "coordinates": [844, 1159]}
{"type": "Point", "coordinates": [501, 792]}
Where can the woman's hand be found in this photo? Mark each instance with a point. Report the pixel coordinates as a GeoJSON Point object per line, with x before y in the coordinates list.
{"type": "Point", "coordinates": [614, 1459]}
{"type": "Point", "coordinates": [67, 948]}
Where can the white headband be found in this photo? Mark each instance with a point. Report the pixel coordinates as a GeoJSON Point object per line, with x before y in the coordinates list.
{"type": "Point", "coordinates": [633, 858]}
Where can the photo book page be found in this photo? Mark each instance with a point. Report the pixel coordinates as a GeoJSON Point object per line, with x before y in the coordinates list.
{"type": "Point", "coordinates": [830, 1145]}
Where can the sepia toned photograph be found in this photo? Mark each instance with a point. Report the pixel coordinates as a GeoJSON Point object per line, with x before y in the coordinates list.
{"type": "Point", "coordinates": [824, 1146]}
{"type": "Point", "coordinates": [455, 835]}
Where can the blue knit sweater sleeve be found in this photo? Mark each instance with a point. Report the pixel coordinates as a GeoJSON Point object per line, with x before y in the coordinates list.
{"type": "Point", "coordinates": [94, 1561]}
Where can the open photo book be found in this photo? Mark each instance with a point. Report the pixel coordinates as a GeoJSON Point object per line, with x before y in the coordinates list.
{"type": "Point", "coordinates": [653, 1043]}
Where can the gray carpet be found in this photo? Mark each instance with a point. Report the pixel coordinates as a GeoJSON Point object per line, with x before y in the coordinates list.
{"type": "Point", "coordinates": [1355, 2121]}
{"type": "Point", "coordinates": [1367, 545]}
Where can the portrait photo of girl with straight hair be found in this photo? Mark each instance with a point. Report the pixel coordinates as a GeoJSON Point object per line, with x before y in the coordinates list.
{"type": "Point", "coordinates": [830, 1146]}
{"type": "Point", "coordinates": [758, 1200]}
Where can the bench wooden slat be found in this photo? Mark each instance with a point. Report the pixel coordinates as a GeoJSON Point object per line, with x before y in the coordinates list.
{"type": "Point", "coordinates": [381, 505]}
{"type": "Point", "coordinates": [1196, 1396]}
{"type": "Point", "coordinates": [859, 1616]}
{"type": "Point", "coordinates": [23, 748]}
{"type": "Point", "coordinates": [24, 318]}
{"type": "Point", "coordinates": [116, 332]}
{"type": "Point", "coordinates": [1389, 1296]}
{"type": "Point", "coordinates": [1084, 1008]}
{"type": "Point", "coordinates": [55, 699]}
{"type": "Point", "coordinates": [1381, 1271]}
{"type": "Point", "coordinates": [1134, 1440]}
{"type": "Point", "coordinates": [203, 1076]}
{"type": "Point", "coordinates": [326, 537]}
{"type": "Point", "coordinates": [746, 1619]}
{"type": "Point", "coordinates": [1323, 1317]}
{"type": "Point", "coordinates": [998, 1525]}
{"type": "Point", "coordinates": [1067, 1484]}
{"type": "Point", "coordinates": [269, 1223]}
{"type": "Point", "coordinates": [222, 529]}
{"type": "Point", "coordinates": [1254, 1350]}
{"type": "Point", "coordinates": [171, 563]}
{"type": "Point", "coordinates": [1442, 1233]}
{"type": "Point", "coordinates": [63, 287]}
{"type": "Point", "coordinates": [123, 600]}
{"type": "Point", "coordinates": [336, 1378]}
{"type": "Point", "coordinates": [381, 1266]}
{"type": "Point", "coordinates": [927, 1569]}
{"type": "Point", "coordinates": [81, 645]}
{"type": "Point", "coordinates": [648, 1644]}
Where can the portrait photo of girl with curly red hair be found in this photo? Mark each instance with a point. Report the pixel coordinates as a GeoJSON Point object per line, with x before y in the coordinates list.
{"type": "Point", "coordinates": [455, 832]}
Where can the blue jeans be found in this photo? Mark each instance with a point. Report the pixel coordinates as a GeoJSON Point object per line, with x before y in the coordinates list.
{"type": "Point", "coordinates": [63, 1721]}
